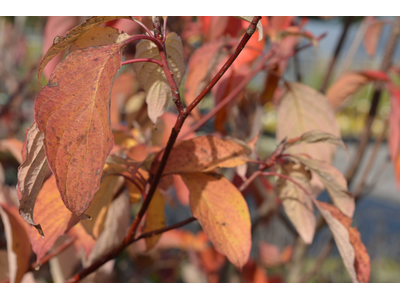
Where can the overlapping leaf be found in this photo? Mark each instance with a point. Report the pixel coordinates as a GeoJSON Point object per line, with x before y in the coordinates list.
{"type": "Point", "coordinates": [151, 76]}
{"type": "Point", "coordinates": [223, 213]}
{"type": "Point", "coordinates": [73, 113]}
{"type": "Point", "coordinates": [53, 216]}
{"type": "Point", "coordinates": [61, 43]}
{"type": "Point", "coordinates": [205, 153]}
{"type": "Point", "coordinates": [296, 203]}
{"type": "Point", "coordinates": [31, 173]}
{"type": "Point", "coordinates": [348, 241]}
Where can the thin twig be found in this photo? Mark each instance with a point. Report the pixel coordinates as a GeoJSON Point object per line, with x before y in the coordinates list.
{"type": "Point", "coordinates": [136, 60]}
{"type": "Point", "coordinates": [336, 54]}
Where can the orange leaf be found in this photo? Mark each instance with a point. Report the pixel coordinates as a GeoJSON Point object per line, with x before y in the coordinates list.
{"type": "Point", "coordinates": [73, 112]}
{"type": "Point", "coordinates": [348, 241]}
{"type": "Point", "coordinates": [223, 213]}
{"type": "Point", "coordinates": [181, 190]}
{"type": "Point", "coordinates": [61, 43]}
{"type": "Point", "coordinates": [18, 247]}
{"type": "Point", "coordinates": [55, 219]}
{"type": "Point", "coordinates": [31, 173]}
{"type": "Point", "coordinates": [349, 83]}
{"type": "Point", "coordinates": [155, 219]}
{"type": "Point", "coordinates": [205, 153]}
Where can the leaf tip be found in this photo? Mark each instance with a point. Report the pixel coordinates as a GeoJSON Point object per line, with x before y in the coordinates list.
{"type": "Point", "coordinates": [86, 217]}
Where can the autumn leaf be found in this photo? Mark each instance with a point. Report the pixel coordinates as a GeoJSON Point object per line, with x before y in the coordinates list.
{"type": "Point", "coordinates": [348, 241]}
{"type": "Point", "coordinates": [223, 213]}
{"type": "Point", "coordinates": [12, 146]}
{"type": "Point", "coordinates": [73, 113]}
{"type": "Point", "coordinates": [18, 246]}
{"type": "Point", "coordinates": [155, 219]}
{"type": "Point", "coordinates": [151, 76]}
{"type": "Point", "coordinates": [54, 217]}
{"type": "Point", "coordinates": [205, 153]}
{"type": "Point", "coordinates": [98, 36]}
{"type": "Point", "coordinates": [271, 256]}
{"type": "Point", "coordinates": [31, 173]}
{"type": "Point", "coordinates": [372, 36]}
{"type": "Point", "coordinates": [296, 203]}
{"type": "Point", "coordinates": [61, 43]}
{"type": "Point", "coordinates": [340, 91]}
{"type": "Point", "coordinates": [334, 182]}
{"type": "Point", "coordinates": [253, 273]}
{"type": "Point", "coordinates": [84, 242]}
{"type": "Point", "coordinates": [303, 109]}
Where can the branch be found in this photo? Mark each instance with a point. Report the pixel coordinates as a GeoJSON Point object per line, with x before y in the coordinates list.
{"type": "Point", "coordinates": [183, 113]}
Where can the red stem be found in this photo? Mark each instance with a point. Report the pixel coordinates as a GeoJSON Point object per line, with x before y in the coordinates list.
{"type": "Point", "coordinates": [136, 60]}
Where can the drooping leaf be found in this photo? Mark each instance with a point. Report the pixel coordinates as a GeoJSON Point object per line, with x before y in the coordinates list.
{"type": "Point", "coordinates": [31, 173]}
{"type": "Point", "coordinates": [98, 36]}
{"type": "Point", "coordinates": [303, 109]}
{"type": "Point", "coordinates": [348, 241]}
{"type": "Point", "coordinates": [53, 216]}
{"type": "Point", "coordinates": [297, 205]}
{"type": "Point", "coordinates": [151, 76]}
{"type": "Point", "coordinates": [394, 133]}
{"type": "Point", "coordinates": [316, 136]}
{"type": "Point", "coordinates": [334, 182]}
{"type": "Point", "coordinates": [73, 113]}
{"type": "Point", "coordinates": [18, 247]}
{"type": "Point", "coordinates": [155, 219]}
{"type": "Point", "coordinates": [259, 26]}
{"type": "Point", "coordinates": [372, 36]}
{"type": "Point", "coordinates": [61, 43]}
{"type": "Point", "coordinates": [205, 153]}
{"type": "Point", "coordinates": [223, 213]}
{"type": "Point", "coordinates": [340, 91]}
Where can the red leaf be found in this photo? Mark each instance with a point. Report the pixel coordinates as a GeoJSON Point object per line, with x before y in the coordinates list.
{"type": "Point", "coordinates": [73, 112]}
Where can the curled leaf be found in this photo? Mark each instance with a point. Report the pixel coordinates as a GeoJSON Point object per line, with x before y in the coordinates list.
{"type": "Point", "coordinates": [223, 213]}
{"type": "Point", "coordinates": [348, 241]}
{"type": "Point", "coordinates": [31, 173]}
{"type": "Point", "coordinates": [73, 113]}
{"type": "Point", "coordinates": [61, 43]}
{"type": "Point", "coordinates": [151, 76]}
